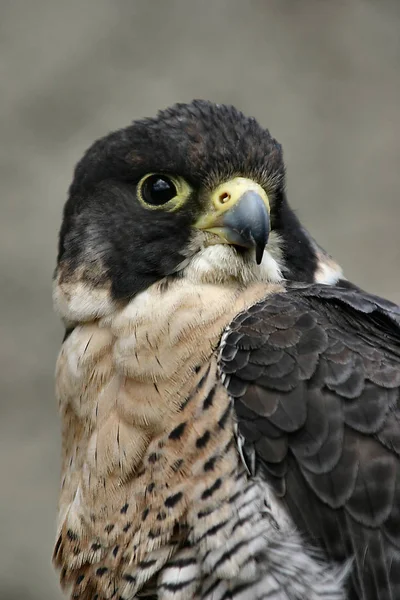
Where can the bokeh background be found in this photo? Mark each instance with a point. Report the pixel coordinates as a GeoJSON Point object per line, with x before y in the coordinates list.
{"type": "Point", "coordinates": [323, 75]}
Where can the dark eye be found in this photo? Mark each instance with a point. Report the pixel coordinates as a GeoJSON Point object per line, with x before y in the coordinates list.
{"type": "Point", "coordinates": [157, 190]}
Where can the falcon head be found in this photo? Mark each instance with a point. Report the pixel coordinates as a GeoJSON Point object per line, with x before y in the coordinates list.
{"type": "Point", "coordinates": [198, 191]}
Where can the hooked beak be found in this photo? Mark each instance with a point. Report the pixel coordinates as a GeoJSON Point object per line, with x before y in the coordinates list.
{"type": "Point", "coordinates": [239, 215]}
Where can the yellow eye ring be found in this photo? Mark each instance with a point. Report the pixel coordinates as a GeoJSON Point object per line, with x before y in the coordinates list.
{"type": "Point", "coordinates": [157, 191]}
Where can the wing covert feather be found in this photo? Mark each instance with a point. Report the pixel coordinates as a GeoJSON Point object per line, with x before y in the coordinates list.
{"type": "Point", "coordinates": [315, 374]}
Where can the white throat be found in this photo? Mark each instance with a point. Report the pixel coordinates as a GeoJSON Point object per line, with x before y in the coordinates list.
{"type": "Point", "coordinates": [221, 263]}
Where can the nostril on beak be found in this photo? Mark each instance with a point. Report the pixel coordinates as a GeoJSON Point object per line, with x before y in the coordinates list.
{"type": "Point", "coordinates": [224, 197]}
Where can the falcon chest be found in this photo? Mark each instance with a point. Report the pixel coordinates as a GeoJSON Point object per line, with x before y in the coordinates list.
{"type": "Point", "coordinates": [147, 430]}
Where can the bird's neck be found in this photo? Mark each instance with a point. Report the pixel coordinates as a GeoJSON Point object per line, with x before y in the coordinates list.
{"type": "Point", "coordinates": [164, 336]}
{"type": "Point", "coordinates": [140, 363]}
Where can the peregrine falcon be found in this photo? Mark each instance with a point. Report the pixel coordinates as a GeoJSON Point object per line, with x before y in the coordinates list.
{"type": "Point", "coordinates": [229, 401]}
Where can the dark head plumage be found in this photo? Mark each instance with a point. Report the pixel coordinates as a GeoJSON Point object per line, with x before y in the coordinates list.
{"type": "Point", "coordinates": [202, 141]}
{"type": "Point", "coordinates": [107, 235]}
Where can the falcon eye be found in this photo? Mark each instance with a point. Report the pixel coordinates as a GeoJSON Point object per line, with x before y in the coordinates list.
{"type": "Point", "coordinates": [156, 191]}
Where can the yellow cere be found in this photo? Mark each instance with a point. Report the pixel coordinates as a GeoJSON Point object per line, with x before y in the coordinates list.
{"type": "Point", "coordinates": [226, 196]}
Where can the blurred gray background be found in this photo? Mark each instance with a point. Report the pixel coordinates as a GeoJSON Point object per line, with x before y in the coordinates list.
{"type": "Point", "coordinates": [323, 75]}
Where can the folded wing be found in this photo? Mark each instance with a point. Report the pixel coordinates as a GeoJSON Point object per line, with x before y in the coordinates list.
{"type": "Point", "coordinates": [315, 374]}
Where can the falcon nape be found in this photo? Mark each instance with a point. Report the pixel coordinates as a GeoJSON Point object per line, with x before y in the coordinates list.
{"type": "Point", "coordinates": [229, 402]}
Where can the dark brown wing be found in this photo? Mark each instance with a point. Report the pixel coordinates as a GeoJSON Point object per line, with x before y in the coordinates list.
{"type": "Point", "coordinates": [315, 373]}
